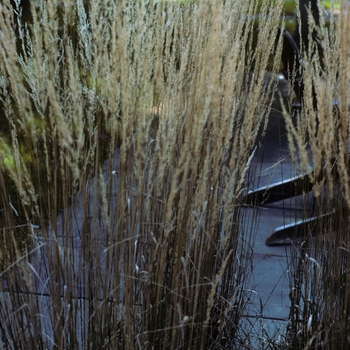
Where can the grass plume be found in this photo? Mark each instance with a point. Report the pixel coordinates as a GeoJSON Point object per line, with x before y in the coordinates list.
{"type": "Point", "coordinates": [146, 249]}
{"type": "Point", "coordinates": [320, 294]}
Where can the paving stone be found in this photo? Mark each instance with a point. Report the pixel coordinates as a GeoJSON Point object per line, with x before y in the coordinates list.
{"type": "Point", "coordinates": [268, 290]}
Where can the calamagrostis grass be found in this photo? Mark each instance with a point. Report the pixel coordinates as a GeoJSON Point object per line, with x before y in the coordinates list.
{"type": "Point", "coordinates": [146, 250]}
{"type": "Point", "coordinates": [321, 291]}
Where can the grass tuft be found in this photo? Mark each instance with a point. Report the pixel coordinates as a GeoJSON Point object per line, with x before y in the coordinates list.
{"type": "Point", "coordinates": [128, 131]}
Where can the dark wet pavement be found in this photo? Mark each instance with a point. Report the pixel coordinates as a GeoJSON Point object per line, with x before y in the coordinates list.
{"type": "Point", "coordinates": [268, 311]}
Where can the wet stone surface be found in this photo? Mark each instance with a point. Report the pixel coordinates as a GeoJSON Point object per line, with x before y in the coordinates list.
{"type": "Point", "coordinates": [270, 283]}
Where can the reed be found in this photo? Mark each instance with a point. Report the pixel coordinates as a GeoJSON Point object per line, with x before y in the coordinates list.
{"type": "Point", "coordinates": [320, 277]}
{"type": "Point", "coordinates": [130, 128]}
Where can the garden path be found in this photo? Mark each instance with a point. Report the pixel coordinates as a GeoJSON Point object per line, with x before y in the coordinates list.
{"type": "Point", "coordinates": [268, 311]}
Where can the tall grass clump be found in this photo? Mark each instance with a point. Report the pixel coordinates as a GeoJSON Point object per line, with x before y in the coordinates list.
{"type": "Point", "coordinates": [320, 317]}
{"type": "Point", "coordinates": [130, 127]}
